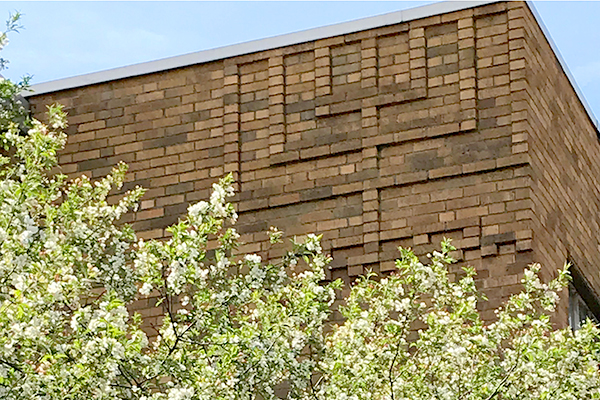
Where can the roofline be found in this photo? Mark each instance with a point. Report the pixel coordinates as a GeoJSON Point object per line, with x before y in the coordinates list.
{"type": "Point", "coordinates": [290, 39]}
{"type": "Point", "coordinates": [254, 46]}
{"type": "Point", "coordinates": [564, 67]}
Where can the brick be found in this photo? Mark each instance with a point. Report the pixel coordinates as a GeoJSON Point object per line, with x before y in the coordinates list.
{"type": "Point", "coordinates": [489, 250]}
{"type": "Point", "coordinates": [148, 214]}
{"type": "Point", "coordinates": [90, 126]}
{"type": "Point", "coordinates": [420, 239]}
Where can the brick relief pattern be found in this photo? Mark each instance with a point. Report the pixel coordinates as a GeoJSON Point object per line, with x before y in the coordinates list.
{"type": "Point", "coordinates": [393, 63]}
{"type": "Point", "coordinates": [254, 122]}
{"type": "Point", "coordinates": [345, 70]}
{"type": "Point", "coordinates": [400, 135]}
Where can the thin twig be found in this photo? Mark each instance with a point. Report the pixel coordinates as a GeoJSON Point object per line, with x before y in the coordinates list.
{"type": "Point", "coordinates": [392, 368]}
{"type": "Point", "coordinates": [503, 381]}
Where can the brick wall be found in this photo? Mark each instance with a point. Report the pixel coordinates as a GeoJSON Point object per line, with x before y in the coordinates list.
{"type": "Point", "coordinates": [565, 163]}
{"type": "Point", "coordinates": [396, 136]}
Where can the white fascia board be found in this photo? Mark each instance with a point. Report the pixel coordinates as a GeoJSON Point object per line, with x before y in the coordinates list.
{"type": "Point", "coordinates": [254, 46]}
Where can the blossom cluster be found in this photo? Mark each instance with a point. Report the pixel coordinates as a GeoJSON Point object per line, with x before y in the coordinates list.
{"type": "Point", "coordinates": [241, 326]}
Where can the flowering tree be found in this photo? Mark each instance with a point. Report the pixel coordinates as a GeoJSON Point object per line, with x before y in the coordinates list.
{"type": "Point", "coordinates": [236, 327]}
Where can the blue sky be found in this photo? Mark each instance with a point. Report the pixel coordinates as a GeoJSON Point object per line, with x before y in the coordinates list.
{"type": "Point", "coordinates": [63, 39]}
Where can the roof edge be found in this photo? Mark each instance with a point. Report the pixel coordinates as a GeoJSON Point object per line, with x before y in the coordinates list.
{"type": "Point", "coordinates": [254, 46]}
{"type": "Point", "coordinates": [290, 39]}
{"type": "Point", "coordinates": [564, 67]}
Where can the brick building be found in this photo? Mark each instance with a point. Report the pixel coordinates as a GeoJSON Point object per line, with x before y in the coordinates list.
{"type": "Point", "coordinates": [451, 120]}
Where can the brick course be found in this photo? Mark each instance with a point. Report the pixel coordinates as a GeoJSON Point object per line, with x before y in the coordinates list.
{"type": "Point", "coordinates": [460, 125]}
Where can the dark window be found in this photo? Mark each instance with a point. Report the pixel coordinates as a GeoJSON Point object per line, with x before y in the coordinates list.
{"type": "Point", "coordinates": [579, 311]}
{"type": "Point", "coordinates": [583, 303]}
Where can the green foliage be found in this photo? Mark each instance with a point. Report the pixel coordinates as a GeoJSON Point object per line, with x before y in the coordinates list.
{"type": "Point", "coordinates": [235, 327]}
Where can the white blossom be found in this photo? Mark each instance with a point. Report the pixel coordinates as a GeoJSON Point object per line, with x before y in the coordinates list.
{"type": "Point", "coordinates": [180, 393]}
{"type": "Point", "coordinates": [146, 289]}
{"type": "Point", "coordinates": [55, 288]}
{"type": "Point", "coordinates": [198, 209]}
{"type": "Point", "coordinates": [253, 259]}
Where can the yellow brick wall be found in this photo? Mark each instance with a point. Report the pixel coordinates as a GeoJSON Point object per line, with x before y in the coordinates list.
{"type": "Point", "coordinates": [400, 135]}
